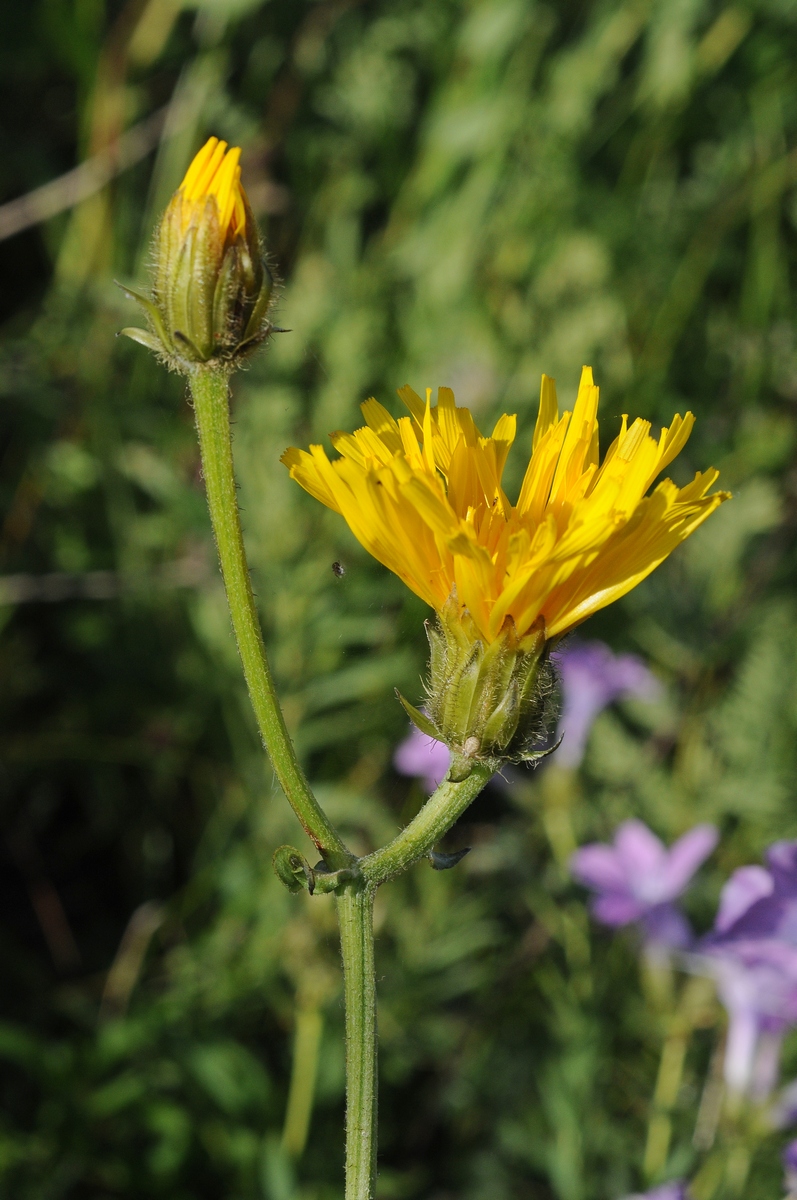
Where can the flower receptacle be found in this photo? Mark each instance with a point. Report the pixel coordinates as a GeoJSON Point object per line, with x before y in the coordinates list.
{"type": "Point", "coordinates": [490, 702]}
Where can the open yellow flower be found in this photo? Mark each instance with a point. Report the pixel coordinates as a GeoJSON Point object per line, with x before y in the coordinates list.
{"type": "Point", "coordinates": [423, 495]}
{"type": "Point", "coordinates": [212, 290]}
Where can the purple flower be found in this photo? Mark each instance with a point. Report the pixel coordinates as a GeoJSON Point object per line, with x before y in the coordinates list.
{"type": "Point", "coordinates": [677, 1190]}
{"type": "Point", "coordinates": [752, 956]}
{"type": "Point", "coordinates": [592, 678]}
{"type": "Point", "coordinates": [422, 757]}
{"type": "Point", "coordinates": [758, 988]}
{"type": "Point", "coordinates": [638, 879]}
{"type": "Point", "coordinates": [757, 902]}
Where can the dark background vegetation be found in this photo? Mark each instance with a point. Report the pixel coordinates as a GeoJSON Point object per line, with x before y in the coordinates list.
{"type": "Point", "coordinates": [461, 192]}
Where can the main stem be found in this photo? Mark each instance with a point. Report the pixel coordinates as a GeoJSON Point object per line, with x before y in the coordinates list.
{"type": "Point", "coordinates": [210, 391]}
{"type": "Point", "coordinates": [355, 916]}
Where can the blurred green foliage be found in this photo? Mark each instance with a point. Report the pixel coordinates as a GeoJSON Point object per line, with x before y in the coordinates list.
{"type": "Point", "coordinates": [465, 192]}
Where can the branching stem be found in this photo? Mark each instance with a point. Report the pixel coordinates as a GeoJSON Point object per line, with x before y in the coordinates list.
{"type": "Point", "coordinates": [434, 820]}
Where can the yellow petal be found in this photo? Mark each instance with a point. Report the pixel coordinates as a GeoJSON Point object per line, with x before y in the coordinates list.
{"type": "Point", "coordinates": [379, 419]}
{"type": "Point", "coordinates": [304, 469]}
{"type": "Point", "coordinates": [548, 414]}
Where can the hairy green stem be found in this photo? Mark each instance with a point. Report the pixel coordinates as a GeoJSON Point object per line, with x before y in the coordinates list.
{"type": "Point", "coordinates": [355, 903]}
{"type": "Point", "coordinates": [434, 820]}
{"type": "Point", "coordinates": [210, 392]}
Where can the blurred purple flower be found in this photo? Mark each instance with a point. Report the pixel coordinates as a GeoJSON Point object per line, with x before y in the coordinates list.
{"type": "Point", "coordinates": [638, 879]}
{"type": "Point", "coordinates": [752, 956]}
{"type": "Point", "coordinates": [761, 902]}
{"type": "Point", "coordinates": [677, 1190]}
{"type": "Point", "coordinates": [758, 987]}
{"type": "Point", "coordinates": [422, 757]}
{"type": "Point", "coordinates": [592, 678]}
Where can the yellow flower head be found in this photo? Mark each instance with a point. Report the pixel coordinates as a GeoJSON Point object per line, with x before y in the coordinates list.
{"type": "Point", "coordinates": [215, 171]}
{"type": "Point", "coordinates": [423, 495]}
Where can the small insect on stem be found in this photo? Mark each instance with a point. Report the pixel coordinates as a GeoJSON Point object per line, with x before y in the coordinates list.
{"type": "Point", "coordinates": [338, 569]}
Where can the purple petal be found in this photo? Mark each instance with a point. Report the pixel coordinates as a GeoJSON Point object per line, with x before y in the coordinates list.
{"type": "Point", "coordinates": [593, 677]}
{"type": "Point", "coordinates": [757, 976]}
{"type": "Point", "coordinates": [598, 867]}
{"type": "Point", "coordinates": [782, 861]}
{"type": "Point", "coordinates": [584, 660]}
{"type": "Point", "coordinates": [613, 908]}
{"type": "Point", "coordinates": [685, 856]}
{"type": "Point", "coordinates": [757, 983]}
{"type": "Point", "coordinates": [587, 687]}
{"type": "Point", "coordinates": [665, 925]}
{"type": "Point", "coordinates": [768, 918]}
{"type": "Point", "coordinates": [643, 858]}
{"type": "Point", "coordinates": [639, 866]}
{"type": "Point", "coordinates": [743, 1030]}
{"type": "Point", "coordinates": [744, 888]}
{"type": "Point", "coordinates": [422, 757]}
{"type": "Point", "coordinates": [631, 677]}
{"type": "Point", "coordinates": [580, 708]}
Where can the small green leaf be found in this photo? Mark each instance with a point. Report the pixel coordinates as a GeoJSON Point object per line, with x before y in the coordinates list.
{"type": "Point", "coordinates": [150, 309]}
{"type": "Point", "coordinates": [538, 755]}
{"type": "Point", "coordinates": [419, 719]}
{"type": "Point", "coordinates": [132, 294]}
{"type": "Point", "coordinates": [144, 338]}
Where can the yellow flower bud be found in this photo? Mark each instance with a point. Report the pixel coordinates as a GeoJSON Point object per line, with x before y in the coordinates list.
{"type": "Point", "coordinates": [211, 289]}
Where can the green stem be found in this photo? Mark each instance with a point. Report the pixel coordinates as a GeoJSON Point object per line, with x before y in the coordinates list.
{"type": "Point", "coordinates": [355, 904]}
{"type": "Point", "coordinates": [210, 391]}
{"type": "Point", "coordinates": [422, 834]}
{"type": "Point", "coordinates": [301, 1093]}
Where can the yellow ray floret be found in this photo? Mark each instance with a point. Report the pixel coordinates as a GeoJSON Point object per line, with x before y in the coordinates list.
{"type": "Point", "coordinates": [215, 171]}
{"type": "Point", "coordinates": [423, 495]}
